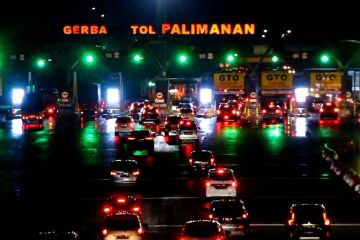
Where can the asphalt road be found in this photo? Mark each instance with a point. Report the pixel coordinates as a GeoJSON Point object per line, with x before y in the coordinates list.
{"type": "Point", "coordinates": [57, 177]}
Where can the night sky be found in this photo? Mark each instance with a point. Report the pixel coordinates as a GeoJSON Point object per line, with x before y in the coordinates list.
{"type": "Point", "coordinates": [31, 23]}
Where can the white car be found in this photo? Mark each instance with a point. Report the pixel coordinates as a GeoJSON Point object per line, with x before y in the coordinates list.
{"type": "Point", "coordinates": [124, 125]}
{"type": "Point", "coordinates": [188, 132]}
{"type": "Point", "coordinates": [124, 171]}
{"type": "Point", "coordinates": [123, 226]}
{"type": "Point", "coordinates": [221, 182]}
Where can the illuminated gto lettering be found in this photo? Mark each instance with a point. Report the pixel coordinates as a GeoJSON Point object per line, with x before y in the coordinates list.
{"type": "Point", "coordinates": [276, 77]}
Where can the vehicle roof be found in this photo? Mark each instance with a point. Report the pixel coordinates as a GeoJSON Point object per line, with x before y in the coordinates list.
{"type": "Point", "coordinates": [205, 221]}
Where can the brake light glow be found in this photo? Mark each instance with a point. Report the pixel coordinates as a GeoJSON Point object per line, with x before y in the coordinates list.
{"type": "Point", "coordinates": [339, 99]}
{"type": "Point", "coordinates": [233, 184]}
{"type": "Point", "coordinates": [211, 216]}
{"type": "Point", "coordinates": [104, 231]}
{"type": "Point", "coordinates": [264, 111]}
{"type": "Point", "coordinates": [321, 110]}
{"type": "Point", "coordinates": [326, 220]}
{"type": "Point", "coordinates": [291, 221]}
{"type": "Point", "coordinates": [136, 209]}
{"type": "Point", "coordinates": [136, 173]}
{"type": "Point", "coordinates": [140, 231]}
{"type": "Point", "coordinates": [328, 104]}
{"type": "Point", "coordinates": [218, 111]}
{"type": "Point", "coordinates": [113, 173]}
{"type": "Point", "coordinates": [181, 122]}
{"type": "Point", "coordinates": [207, 184]}
{"type": "Point", "coordinates": [233, 111]}
{"type": "Point", "coordinates": [277, 111]}
{"type": "Point", "coordinates": [107, 209]}
{"type": "Point", "coordinates": [149, 138]}
{"type": "Point", "coordinates": [336, 110]}
{"type": "Point", "coordinates": [131, 138]}
{"type": "Point", "coordinates": [50, 110]}
{"type": "Point", "coordinates": [220, 171]}
{"type": "Point", "coordinates": [226, 117]}
{"type": "Point", "coordinates": [188, 123]}
{"type": "Point", "coordinates": [190, 161]}
{"type": "Point", "coordinates": [166, 122]}
{"type": "Point", "coordinates": [212, 161]}
{"type": "Point", "coordinates": [245, 215]}
{"type": "Point", "coordinates": [157, 111]}
{"type": "Point", "coordinates": [120, 200]}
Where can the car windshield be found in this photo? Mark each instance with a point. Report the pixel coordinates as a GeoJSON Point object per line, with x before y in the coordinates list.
{"type": "Point", "coordinates": [201, 156]}
{"type": "Point", "coordinates": [310, 214]}
{"type": "Point", "coordinates": [201, 229]}
{"type": "Point", "coordinates": [122, 223]}
{"type": "Point", "coordinates": [225, 176]}
{"type": "Point", "coordinates": [123, 120]}
{"type": "Point", "coordinates": [186, 110]}
{"type": "Point", "coordinates": [227, 208]}
{"type": "Point", "coordinates": [140, 133]}
{"type": "Point", "coordinates": [124, 165]}
{"type": "Point", "coordinates": [173, 120]}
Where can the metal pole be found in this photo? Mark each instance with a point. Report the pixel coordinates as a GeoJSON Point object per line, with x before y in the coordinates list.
{"type": "Point", "coordinates": [29, 82]}
{"type": "Point", "coordinates": [75, 93]}
{"type": "Point", "coordinates": [121, 91]}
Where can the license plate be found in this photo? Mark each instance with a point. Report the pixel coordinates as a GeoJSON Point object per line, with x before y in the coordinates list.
{"type": "Point", "coordinates": [122, 237]}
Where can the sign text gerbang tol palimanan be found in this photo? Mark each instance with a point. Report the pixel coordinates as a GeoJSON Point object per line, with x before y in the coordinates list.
{"type": "Point", "coordinates": [196, 29]}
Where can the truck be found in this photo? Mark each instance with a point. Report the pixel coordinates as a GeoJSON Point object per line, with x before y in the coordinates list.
{"type": "Point", "coordinates": [89, 99]}
{"type": "Point", "coordinates": [32, 109]}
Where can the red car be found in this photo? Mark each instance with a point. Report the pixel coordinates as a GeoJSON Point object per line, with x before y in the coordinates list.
{"type": "Point", "coordinates": [119, 203]}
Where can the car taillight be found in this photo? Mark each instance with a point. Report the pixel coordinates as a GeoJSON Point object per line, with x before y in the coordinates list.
{"type": "Point", "coordinates": [140, 231]}
{"type": "Point", "coordinates": [131, 138]}
{"type": "Point", "coordinates": [149, 138]}
{"type": "Point", "coordinates": [245, 215]}
{"type": "Point", "coordinates": [136, 209]}
{"type": "Point", "coordinates": [188, 123]}
{"type": "Point", "coordinates": [219, 238]}
{"type": "Point", "coordinates": [233, 184]}
{"type": "Point", "coordinates": [131, 124]}
{"type": "Point", "coordinates": [181, 122]}
{"type": "Point", "coordinates": [218, 111]}
{"type": "Point", "coordinates": [220, 171]}
{"type": "Point", "coordinates": [291, 221]}
{"type": "Point", "coordinates": [207, 184]}
{"type": "Point", "coordinates": [321, 110]}
{"type": "Point", "coordinates": [277, 111]}
{"type": "Point", "coordinates": [136, 173]}
{"type": "Point", "coordinates": [336, 110]}
{"type": "Point", "coordinates": [328, 104]}
{"type": "Point", "coordinates": [226, 117]}
{"type": "Point", "coordinates": [166, 122]}
{"type": "Point", "coordinates": [107, 209]}
{"type": "Point", "coordinates": [326, 220]}
{"type": "Point", "coordinates": [121, 200]}
{"type": "Point", "coordinates": [212, 161]}
{"type": "Point", "coordinates": [190, 161]}
{"type": "Point", "coordinates": [104, 231]}
{"type": "Point", "coordinates": [233, 111]}
{"type": "Point", "coordinates": [157, 111]}
{"type": "Point", "coordinates": [211, 216]}
{"type": "Point", "coordinates": [264, 111]}
{"type": "Point", "coordinates": [113, 173]}
{"type": "Point", "coordinates": [50, 110]}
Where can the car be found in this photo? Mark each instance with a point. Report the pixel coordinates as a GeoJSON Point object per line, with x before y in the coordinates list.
{"type": "Point", "coordinates": [221, 182]}
{"type": "Point", "coordinates": [124, 125]}
{"type": "Point", "coordinates": [272, 113]}
{"type": "Point", "coordinates": [111, 113]}
{"type": "Point", "coordinates": [188, 132]}
{"type": "Point", "coordinates": [172, 124]}
{"type": "Point", "coordinates": [123, 226]}
{"type": "Point", "coordinates": [201, 160]}
{"type": "Point", "coordinates": [140, 140]}
{"type": "Point", "coordinates": [149, 114]}
{"type": "Point", "coordinates": [202, 230]}
{"type": "Point", "coordinates": [57, 235]}
{"type": "Point", "coordinates": [308, 220]}
{"type": "Point", "coordinates": [231, 214]}
{"type": "Point", "coordinates": [187, 113]}
{"type": "Point", "coordinates": [227, 112]}
{"type": "Point", "coordinates": [329, 110]}
{"type": "Point", "coordinates": [124, 171]}
{"type": "Point", "coordinates": [121, 203]}
{"type": "Point", "coordinates": [88, 113]}
{"type": "Point", "coordinates": [135, 109]}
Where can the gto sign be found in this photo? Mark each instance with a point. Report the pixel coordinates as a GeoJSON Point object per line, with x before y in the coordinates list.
{"type": "Point", "coordinates": [276, 80]}
{"type": "Point", "coordinates": [228, 81]}
{"type": "Point", "coordinates": [325, 80]}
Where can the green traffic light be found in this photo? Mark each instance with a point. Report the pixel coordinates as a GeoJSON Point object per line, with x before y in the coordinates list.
{"type": "Point", "coordinates": [41, 63]}
{"type": "Point", "coordinates": [182, 58]}
{"type": "Point", "coordinates": [275, 59]}
{"type": "Point", "coordinates": [325, 58]}
{"type": "Point", "coordinates": [89, 58]}
{"type": "Point", "coordinates": [138, 58]}
{"type": "Point", "coordinates": [230, 58]}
